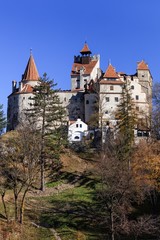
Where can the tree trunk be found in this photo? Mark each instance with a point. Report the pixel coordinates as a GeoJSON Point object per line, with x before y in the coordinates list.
{"type": "Point", "coordinates": [42, 152]}
{"type": "Point", "coordinates": [16, 205]}
{"type": "Point", "coordinates": [4, 206]}
{"type": "Point", "coordinates": [112, 225]}
{"type": "Point", "coordinates": [42, 175]}
{"type": "Point", "coordinates": [22, 207]}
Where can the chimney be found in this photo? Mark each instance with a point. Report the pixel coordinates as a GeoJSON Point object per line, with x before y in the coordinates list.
{"type": "Point", "coordinates": [20, 86]}
{"type": "Point", "coordinates": [14, 86]}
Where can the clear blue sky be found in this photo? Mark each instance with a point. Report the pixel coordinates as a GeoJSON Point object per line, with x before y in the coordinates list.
{"type": "Point", "coordinates": [124, 31]}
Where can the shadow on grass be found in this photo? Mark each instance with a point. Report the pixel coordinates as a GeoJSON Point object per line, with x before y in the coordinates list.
{"type": "Point", "coordinates": [74, 215]}
{"type": "Point", "coordinates": [70, 212]}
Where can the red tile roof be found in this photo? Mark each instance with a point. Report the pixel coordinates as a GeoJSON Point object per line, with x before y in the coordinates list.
{"type": "Point", "coordinates": [142, 65]}
{"type": "Point", "coordinates": [85, 49]}
{"type": "Point", "coordinates": [87, 68]}
{"type": "Point", "coordinates": [110, 72]}
{"type": "Point", "coordinates": [31, 72]}
{"type": "Point", "coordinates": [27, 89]}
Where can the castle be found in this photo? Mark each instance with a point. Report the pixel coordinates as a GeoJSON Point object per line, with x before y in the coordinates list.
{"type": "Point", "coordinates": [89, 86]}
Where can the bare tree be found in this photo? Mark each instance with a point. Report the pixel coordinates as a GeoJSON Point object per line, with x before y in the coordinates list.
{"type": "Point", "coordinates": [20, 154]}
{"type": "Point", "coordinates": [121, 189]}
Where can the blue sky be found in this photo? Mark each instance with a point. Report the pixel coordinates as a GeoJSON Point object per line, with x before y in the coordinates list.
{"type": "Point", "coordinates": [122, 31]}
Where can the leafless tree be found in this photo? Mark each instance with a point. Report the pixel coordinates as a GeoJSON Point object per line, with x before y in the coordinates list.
{"type": "Point", "coordinates": [20, 164]}
{"type": "Point", "coordinates": [121, 189]}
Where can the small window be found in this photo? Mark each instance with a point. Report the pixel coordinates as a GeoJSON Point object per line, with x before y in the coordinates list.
{"type": "Point", "coordinates": [132, 87]}
{"type": "Point", "coordinates": [116, 99]}
{"type": "Point", "coordinates": [87, 101]}
{"type": "Point", "coordinates": [137, 109]}
{"type": "Point", "coordinates": [111, 87]}
{"type": "Point", "coordinates": [137, 97]}
{"type": "Point", "coordinates": [139, 133]}
{"type": "Point", "coordinates": [143, 75]}
{"type": "Point", "coordinates": [77, 84]}
{"type": "Point", "coordinates": [106, 112]}
{"type": "Point", "coordinates": [107, 99]}
{"type": "Point", "coordinates": [76, 125]}
{"type": "Point", "coordinates": [80, 125]}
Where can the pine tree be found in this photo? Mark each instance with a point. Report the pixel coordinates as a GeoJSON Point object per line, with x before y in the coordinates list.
{"type": "Point", "coordinates": [126, 117]}
{"type": "Point", "coordinates": [47, 114]}
{"type": "Point", "coordinates": [2, 119]}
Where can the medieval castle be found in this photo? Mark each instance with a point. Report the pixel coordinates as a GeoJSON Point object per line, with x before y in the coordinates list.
{"type": "Point", "coordinates": [88, 83]}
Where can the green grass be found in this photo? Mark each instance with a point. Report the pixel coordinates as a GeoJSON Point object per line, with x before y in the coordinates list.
{"type": "Point", "coordinates": [71, 213]}
{"type": "Point", "coordinates": [54, 184]}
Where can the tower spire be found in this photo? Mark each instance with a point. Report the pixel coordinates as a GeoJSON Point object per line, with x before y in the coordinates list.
{"type": "Point", "coordinates": [31, 73]}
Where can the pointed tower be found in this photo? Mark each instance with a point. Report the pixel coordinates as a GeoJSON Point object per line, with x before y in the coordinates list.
{"type": "Point", "coordinates": [30, 73]}
{"type": "Point", "coordinates": [110, 73]}
{"type": "Point", "coordinates": [84, 69]}
{"type": "Point", "coordinates": [145, 79]}
{"type": "Point", "coordinates": [20, 98]}
{"type": "Point", "coordinates": [85, 52]}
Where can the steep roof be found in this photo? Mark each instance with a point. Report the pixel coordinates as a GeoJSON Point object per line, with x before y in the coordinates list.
{"type": "Point", "coordinates": [87, 68]}
{"type": "Point", "coordinates": [142, 65]}
{"type": "Point", "coordinates": [85, 49]}
{"type": "Point", "coordinates": [31, 72]}
{"type": "Point", "coordinates": [110, 72]}
{"type": "Point", "coordinates": [27, 89]}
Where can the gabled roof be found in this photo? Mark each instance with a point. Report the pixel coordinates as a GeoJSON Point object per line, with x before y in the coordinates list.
{"type": "Point", "coordinates": [110, 72]}
{"type": "Point", "coordinates": [31, 72]}
{"type": "Point", "coordinates": [142, 65]}
{"type": "Point", "coordinates": [85, 49]}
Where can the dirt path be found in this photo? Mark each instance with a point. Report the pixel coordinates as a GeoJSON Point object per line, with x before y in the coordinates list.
{"type": "Point", "coordinates": [51, 190]}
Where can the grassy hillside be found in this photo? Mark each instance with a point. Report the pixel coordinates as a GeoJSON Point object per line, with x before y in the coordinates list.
{"type": "Point", "coordinates": [63, 210]}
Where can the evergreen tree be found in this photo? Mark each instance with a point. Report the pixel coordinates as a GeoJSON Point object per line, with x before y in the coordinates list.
{"type": "Point", "coordinates": [2, 119]}
{"type": "Point", "coordinates": [126, 117]}
{"type": "Point", "coordinates": [47, 114]}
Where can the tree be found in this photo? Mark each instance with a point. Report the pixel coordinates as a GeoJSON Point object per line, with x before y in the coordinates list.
{"type": "Point", "coordinates": [19, 166]}
{"type": "Point", "coordinates": [47, 114]}
{"type": "Point", "coordinates": [2, 120]}
{"type": "Point", "coordinates": [122, 192]}
{"type": "Point", "coordinates": [126, 119]}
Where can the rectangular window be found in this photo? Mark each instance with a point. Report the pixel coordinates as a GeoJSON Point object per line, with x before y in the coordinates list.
{"type": "Point", "coordinates": [111, 87]}
{"type": "Point", "coordinates": [137, 97]}
{"type": "Point", "coordinates": [137, 108]}
{"type": "Point", "coordinates": [116, 99]}
{"type": "Point", "coordinates": [132, 87]}
{"type": "Point", "coordinates": [76, 125]}
{"type": "Point", "coordinates": [107, 99]}
{"type": "Point", "coordinates": [80, 125]}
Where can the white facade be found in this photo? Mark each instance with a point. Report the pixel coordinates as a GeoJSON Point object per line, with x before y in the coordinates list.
{"type": "Point", "coordinates": [77, 130]}
{"type": "Point", "coordinates": [92, 91]}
